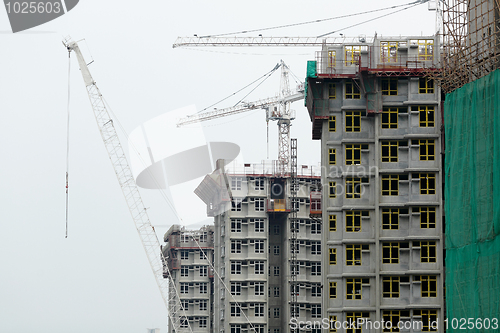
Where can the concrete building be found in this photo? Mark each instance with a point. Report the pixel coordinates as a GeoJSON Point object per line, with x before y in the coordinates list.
{"type": "Point", "coordinates": [255, 222]}
{"type": "Point", "coordinates": [189, 255]}
{"type": "Point", "coordinates": [378, 117]}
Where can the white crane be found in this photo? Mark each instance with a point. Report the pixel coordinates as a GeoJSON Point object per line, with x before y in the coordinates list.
{"type": "Point", "coordinates": [133, 198]}
{"type": "Point", "coordinates": [277, 108]}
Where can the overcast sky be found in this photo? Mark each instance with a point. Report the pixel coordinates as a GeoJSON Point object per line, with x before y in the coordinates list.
{"type": "Point", "coordinates": [99, 279]}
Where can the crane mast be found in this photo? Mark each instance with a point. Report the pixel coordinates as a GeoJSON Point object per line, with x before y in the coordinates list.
{"type": "Point", "coordinates": [284, 118]}
{"type": "Point", "coordinates": [133, 198]}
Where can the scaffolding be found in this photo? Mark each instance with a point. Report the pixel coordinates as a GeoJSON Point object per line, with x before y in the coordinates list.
{"type": "Point", "coordinates": [471, 41]}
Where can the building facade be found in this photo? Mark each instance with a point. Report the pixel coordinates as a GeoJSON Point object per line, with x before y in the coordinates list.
{"type": "Point", "coordinates": [378, 116]}
{"type": "Point", "coordinates": [189, 256]}
{"type": "Point", "coordinates": [255, 219]}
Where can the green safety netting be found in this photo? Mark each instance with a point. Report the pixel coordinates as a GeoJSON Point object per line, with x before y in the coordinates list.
{"type": "Point", "coordinates": [310, 73]}
{"type": "Point", "coordinates": [311, 69]}
{"type": "Point", "coordinates": [472, 201]}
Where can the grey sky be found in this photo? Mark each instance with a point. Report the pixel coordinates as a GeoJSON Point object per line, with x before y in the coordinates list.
{"type": "Point", "coordinates": [99, 280]}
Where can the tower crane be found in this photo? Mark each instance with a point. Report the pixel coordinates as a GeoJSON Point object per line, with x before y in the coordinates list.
{"type": "Point", "coordinates": [281, 104]}
{"type": "Point", "coordinates": [277, 109]}
{"type": "Point", "coordinates": [146, 231]}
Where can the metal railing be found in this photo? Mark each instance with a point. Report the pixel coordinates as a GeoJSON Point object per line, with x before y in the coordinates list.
{"type": "Point", "coordinates": [373, 60]}
{"type": "Point", "coordinates": [269, 169]}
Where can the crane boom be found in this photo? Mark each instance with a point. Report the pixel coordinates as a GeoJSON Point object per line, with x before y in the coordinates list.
{"type": "Point", "coordinates": [259, 41]}
{"type": "Point", "coordinates": [260, 104]}
{"type": "Point", "coordinates": [133, 198]}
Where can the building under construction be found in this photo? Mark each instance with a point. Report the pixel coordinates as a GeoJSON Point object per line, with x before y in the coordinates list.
{"type": "Point", "coordinates": [189, 256]}
{"type": "Point", "coordinates": [471, 81]}
{"type": "Point", "coordinates": [377, 111]}
{"type": "Point", "coordinates": [267, 245]}
{"type": "Point", "coordinates": [376, 105]}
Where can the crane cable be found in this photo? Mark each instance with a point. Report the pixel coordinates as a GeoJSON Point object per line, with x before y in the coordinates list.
{"type": "Point", "coordinates": [67, 144]}
{"type": "Point", "coordinates": [251, 91]}
{"type": "Point", "coordinates": [410, 5]}
{"type": "Point", "coordinates": [263, 76]}
{"type": "Point", "coordinates": [222, 281]}
{"type": "Point", "coordinates": [316, 21]}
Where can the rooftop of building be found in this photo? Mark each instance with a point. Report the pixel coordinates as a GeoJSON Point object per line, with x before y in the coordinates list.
{"type": "Point", "coordinates": [379, 55]}
{"type": "Point", "coordinates": [176, 228]}
{"type": "Point", "coordinates": [215, 188]}
{"type": "Point", "coordinates": [270, 169]}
